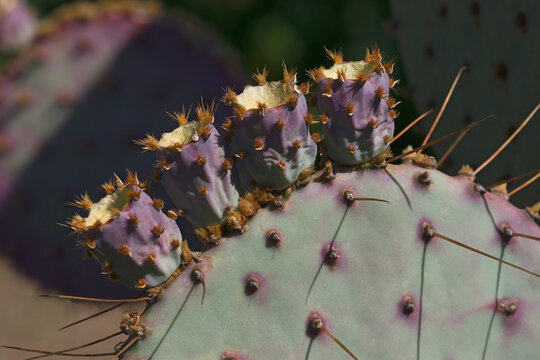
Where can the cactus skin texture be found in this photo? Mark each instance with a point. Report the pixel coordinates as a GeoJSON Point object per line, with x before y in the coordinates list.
{"type": "Point", "coordinates": [498, 42]}
{"type": "Point", "coordinates": [72, 104]}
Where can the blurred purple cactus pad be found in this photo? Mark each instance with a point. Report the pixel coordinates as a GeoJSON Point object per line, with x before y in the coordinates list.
{"type": "Point", "coordinates": [18, 25]}
{"type": "Point", "coordinates": [73, 103]}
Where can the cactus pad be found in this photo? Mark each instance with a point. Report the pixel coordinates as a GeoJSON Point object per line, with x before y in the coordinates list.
{"type": "Point", "coordinates": [379, 261]}
{"type": "Point", "coordinates": [269, 135]}
{"type": "Point", "coordinates": [371, 289]}
{"type": "Point", "coordinates": [354, 104]}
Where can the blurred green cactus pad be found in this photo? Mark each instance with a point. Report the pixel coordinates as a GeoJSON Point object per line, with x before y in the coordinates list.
{"type": "Point", "coordinates": [498, 42]}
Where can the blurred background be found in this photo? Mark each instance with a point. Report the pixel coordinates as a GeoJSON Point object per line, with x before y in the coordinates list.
{"type": "Point", "coordinates": [79, 81]}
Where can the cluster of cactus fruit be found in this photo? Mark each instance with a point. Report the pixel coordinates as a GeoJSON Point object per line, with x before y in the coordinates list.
{"type": "Point", "coordinates": [360, 259]}
{"type": "Point", "coordinates": [266, 151]}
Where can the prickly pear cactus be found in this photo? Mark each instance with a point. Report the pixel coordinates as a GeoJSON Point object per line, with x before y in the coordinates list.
{"type": "Point", "coordinates": [378, 260]}
{"type": "Point", "coordinates": [385, 262]}
{"type": "Point", "coordinates": [498, 42]}
{"type": "Point", "coordinates": [75, 100]}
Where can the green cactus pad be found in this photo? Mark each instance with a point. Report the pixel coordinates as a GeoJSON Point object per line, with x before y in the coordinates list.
{"type": "Point", "coordinates": [370, 291]}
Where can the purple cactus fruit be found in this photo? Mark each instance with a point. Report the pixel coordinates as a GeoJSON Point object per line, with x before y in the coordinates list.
{"type": "Point", "coordinates": [127, 232]}
{"type": "Point", "coordinates": [355, 108]}
{"type": "Point", "coordinates": [269, 134]}
{"type": "Point", "coordinates": [17, 25]}
{"type": "Point", "coordinates": [194, 169]}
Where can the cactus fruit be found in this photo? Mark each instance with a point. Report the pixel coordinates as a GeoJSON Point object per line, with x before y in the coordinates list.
{"type": "Point", "coordinates": [498, 42]}
{"type": "Point", "coordinates": [75, 100]}
{"type": "Point", "coordinates": [194, 169]}
{"type": "Point", "coordinates": [353, 104]}
{"type": "Point", "coordinates": [376, 261]}
{"type": "Point", "coordinates": [128, 233]}
{"type": "Point", "coordinates": [17, 25]}
{"type": "Point", "coordinates": [269, 133]}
